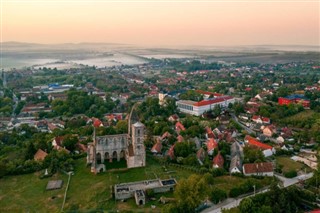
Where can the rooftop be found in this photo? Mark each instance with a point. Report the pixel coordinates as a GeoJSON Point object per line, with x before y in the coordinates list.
{"type": "Point", "coordinates": [251, 168]}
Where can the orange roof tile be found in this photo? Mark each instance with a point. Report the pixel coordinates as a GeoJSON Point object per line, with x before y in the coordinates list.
{"type": "Point", "coordinates": [40, 155]}
{"type": "Point", "coordinates": [218, 160]}
{"type": "Point", "coordinates": [254, 142]}
{"type": "Point", "coordinates": [157, 147]}
{"type": "Point", "coordinates": [211, 144]}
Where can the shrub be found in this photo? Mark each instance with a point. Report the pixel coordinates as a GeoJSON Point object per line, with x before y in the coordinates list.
{"type": "Point", "coordinates": [291, 174]}
{"type": "Point", "coordinates": [217, 195]}
{"type": "Point", "coordinates": [235, 192]}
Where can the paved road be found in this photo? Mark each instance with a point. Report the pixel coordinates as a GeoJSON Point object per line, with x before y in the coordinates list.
{"type": "Point", "coordinates": [231, 202]}
{"type": "Point", "coordinates": [250, 131]}
{"type": "Point", "coordinates": [291, 181]}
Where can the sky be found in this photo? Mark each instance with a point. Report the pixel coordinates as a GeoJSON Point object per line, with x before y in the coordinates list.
{"type": "Point", "coordinates": [162, 23]}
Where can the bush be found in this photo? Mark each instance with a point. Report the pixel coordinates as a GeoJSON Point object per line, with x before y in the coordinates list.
{"type": "Point", "coordinates": [217, 195]}
{"type": "Point", "coordinates": [235, 192]}
{"type": "Point", "coordinates": [244, 188]}
{"type": "Point", "coordinates": [218, 172]}
{"type": "Point", "coordinates": [291, 174]}
{"type": "Point", "coordinates": [150, 192]}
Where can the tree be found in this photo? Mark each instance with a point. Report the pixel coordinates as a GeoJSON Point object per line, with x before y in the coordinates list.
{"type": "Point", "coordinates": [190, 193]}
{"type": "Point", "coordinates": [122, 127]}
{"type": "Point", "coordinates": [246, 205]}
{"type": "Point", "coordinates": [30, 151]}
{"type": "Point", "coordinates": [184, 149]}
{"type": "Point", "coordinates": [252, 155]}
{"type": "Point", "coordinates": [194, 131]}
{"type": "Point", "coordinates": [217, 195]}
{"type": "Point", "coordinates": [70, 141]}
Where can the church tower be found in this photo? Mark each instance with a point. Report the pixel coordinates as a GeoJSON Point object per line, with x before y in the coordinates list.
{"type": "Point", "coordinates": [137, 138]}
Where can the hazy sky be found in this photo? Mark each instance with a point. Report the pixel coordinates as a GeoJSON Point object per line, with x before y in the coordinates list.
{"type": "Point", "coordinates": [163, 23]}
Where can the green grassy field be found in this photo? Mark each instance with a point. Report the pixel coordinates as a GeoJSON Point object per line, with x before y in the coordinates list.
{"type": "Point", "coordinates": [289, 164]}
{"type": "Point", "coordinates": [26, 193]}
{"type": "Point", "coordinates": [86, 191]}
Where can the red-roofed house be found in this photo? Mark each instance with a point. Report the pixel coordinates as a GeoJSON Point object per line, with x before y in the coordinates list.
{"type": "Point", "coordinates": [96, 122]}
{"type": "Point", "coordinates": [269, 130]}
{"type": "Point", "coordinates": [40, 155]}
{"type": "Point", "coordinates": [260, 119]}
{"type": "Point", "coordinates": [218, 161]}
{"type": "Point", "coordinates": [157, 147]}
{"type": "Point", "coordinates": [266, 149]}
{"type": "Point", "coordinates": [57, 142]}
{"type": "Point", "coordinates": [179, 127]}
{"type": "Point", "coordinates": [211, 145]}
{"type": "Point", "coordinates": [165, 135]}
{"type": "Point", "coordinates": [180, 138]}
{"type": "Point", "coordinates": [209, 133]}
{"type": "Point", "coordinates": [170, 152]}
{"type": "Point", "coordinates": [259, 169]}
{"type": "Point", "coordinates": [51, 127]}
{"type": "Point", "coordinates": [173, 118]}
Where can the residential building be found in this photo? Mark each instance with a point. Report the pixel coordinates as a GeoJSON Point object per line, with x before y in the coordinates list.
{"type": "Point", "coordinates": [265, 148]}
{"type": "Point", "coordinates": [236, 158]}
{"type": "Point", "coordinates": [258, 169]}
{"type": "Point", "coordinates": [40, 155]}
{"type": "Point", "coordinates": [269, 130]}
{"type": "Point", "coordinates": [218, 161]}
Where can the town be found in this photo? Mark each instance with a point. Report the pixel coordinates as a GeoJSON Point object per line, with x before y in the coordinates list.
{"type": "Point", "coordinates": [169, 135]}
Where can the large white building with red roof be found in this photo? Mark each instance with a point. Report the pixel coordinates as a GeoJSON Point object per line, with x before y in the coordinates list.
{"type": "Point", "coordinates": [200, 107]}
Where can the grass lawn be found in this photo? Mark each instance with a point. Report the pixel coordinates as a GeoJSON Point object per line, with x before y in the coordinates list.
{"type": "Point", "coordinates": [228, 182]}
{"type": "Point", "coordinates": [289, 164]}
{"type": "Point", "coordinates": [86, 191]}
{"type": "Point", "coordinates": [26, 193]}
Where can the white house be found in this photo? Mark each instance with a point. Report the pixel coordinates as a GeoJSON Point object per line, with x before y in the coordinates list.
{"type": "Point", "coordinates": [259, 169]}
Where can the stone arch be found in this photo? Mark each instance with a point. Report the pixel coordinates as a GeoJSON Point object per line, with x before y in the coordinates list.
{"type": "Point", "coordinates": [99, 159]}
{"type": "Point", "coordinates": [122, 154]}
{"type": "Point", "coordinates": [106, 156]}
{"type": "Point", "coordinates": [114, 154]}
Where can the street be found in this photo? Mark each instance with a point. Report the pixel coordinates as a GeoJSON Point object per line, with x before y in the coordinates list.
{"type": "Point", "coordinates": [233, 202]}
